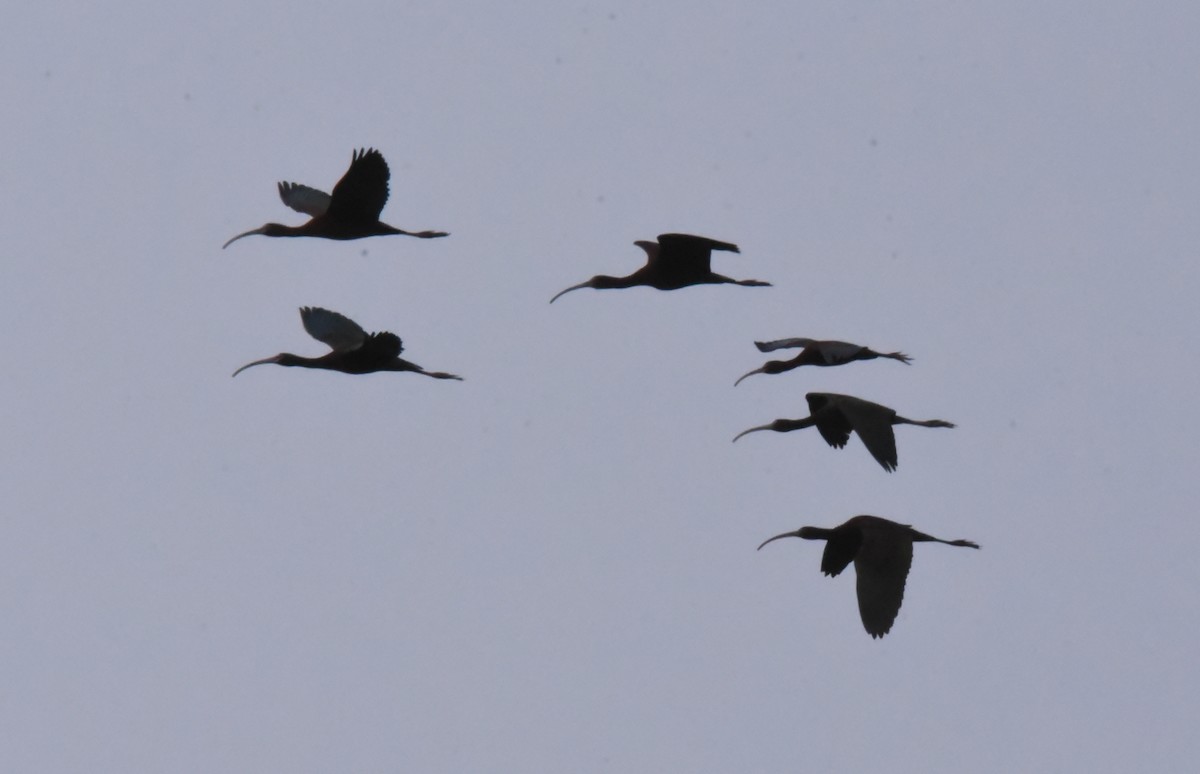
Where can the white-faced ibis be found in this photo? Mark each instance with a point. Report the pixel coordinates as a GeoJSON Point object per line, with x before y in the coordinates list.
{"type": "Point", "coordinates": [352, 212]}
{"type": "Point", "coordinates": [354, 350]}
{"type": "Point", "coordinates": [674, 261]}
{"type": "Point", "coordinates": [817, 353]}
{"type": "Point", "coordinates": [882, 554]}
{"type": "Point", "coordinates": [835, 416]}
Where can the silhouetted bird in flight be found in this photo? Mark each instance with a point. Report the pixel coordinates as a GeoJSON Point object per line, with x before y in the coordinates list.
{"type": "Point", "coordinates": [674, 261]}
{"type": "Point", "coordinates": [835, 416]}
{"type": "Point", "coordinates": [817, 353]}
{"type": "Point", "coordinates": [354, 350]}
{"type": "Point", "coordinates": [882, 554]}
{"type": "Point", "coordinates": [351, 212]}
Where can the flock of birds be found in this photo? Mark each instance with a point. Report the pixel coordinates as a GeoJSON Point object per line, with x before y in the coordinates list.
{"type": "Point", "coordinates": [880, 549]}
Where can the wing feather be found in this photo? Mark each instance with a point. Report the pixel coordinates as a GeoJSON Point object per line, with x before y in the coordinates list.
{"type": "Point", "coordinates": [361, 193]}
{"type": "Point", "coordinates": [771, 346]}
{"type": "Point", "coordinates": [338, 332]}
{"type": "Point", "coordinates": [301, 198]}
{"type": "Point", "coordinates": [873, 423]}
{"type": "Point", "coordinates": [826, 412]}
{"type": "Point", "coordinates": [384, 345]}
{"type": "Point", "coordinates": [689, 254]}
{"type": "Point", "coordinates": [838, 352]}
{"type": "Point", "coordinates": [882, 567]}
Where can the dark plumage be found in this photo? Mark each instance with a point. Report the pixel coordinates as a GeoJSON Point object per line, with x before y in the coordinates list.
{"type": "Point", "coordinates": [674, 261]}
{"type": "Point", "coordinates": [836, 416]}
{"type": "Point", "coordinates": [882, 554]}
{"type": "Point", "coordinates": [817, 353]}
{"type": "Point", "coordinates": [354, 351]}
{"type": "Point", "coordinates": [351, 212]}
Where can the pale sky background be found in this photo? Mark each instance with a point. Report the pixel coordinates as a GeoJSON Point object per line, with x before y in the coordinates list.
{"type": "Point", "coordinates": [550, 566]}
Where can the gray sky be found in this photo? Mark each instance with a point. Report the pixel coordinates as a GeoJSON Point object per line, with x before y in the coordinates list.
{"type": "Point", "coordinates": [551, 566]}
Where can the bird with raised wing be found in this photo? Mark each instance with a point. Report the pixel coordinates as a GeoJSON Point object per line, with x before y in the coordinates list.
{"type": "Point", "coordinates": [836, 416]}
{"type": "Point", "coordinates": [817, 353]}
{"type": "Point", "coordinates": [674, 261]}
{"type": "Point", "coordinates": [882, 554]}
{"type": "Point", "coordinates": [350, 212]}
{"type": "Point", "coordinates": [353, 350]}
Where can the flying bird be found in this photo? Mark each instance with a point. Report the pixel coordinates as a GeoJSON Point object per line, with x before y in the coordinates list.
{"type": "Point", "coordinates": [674, 261]}
{"type": "Point", "coordinates": [354, 351]}
{"type": "Point", "coordinates": [882, 555]}
{"type": "Point", "coordinates": [817, 353]}
{"type": "Point", "coordinates": [835, 416]}
{"type": "Point", "coordinates": [351, 212]}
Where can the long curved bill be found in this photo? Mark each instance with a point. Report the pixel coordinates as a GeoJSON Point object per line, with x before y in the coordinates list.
{"type": "Point", "coordinates": [751, 373]}
{"type": "Point", "coordinates": [587, 284]}
{"type": "Point", "coordinates": [793, 533]}
{"type": "Point", "coordinates": [751, 430]}
{"type": "Point", "coordinates": [239, 236]}
{"type": "Point", "coordinates": [273, 359]}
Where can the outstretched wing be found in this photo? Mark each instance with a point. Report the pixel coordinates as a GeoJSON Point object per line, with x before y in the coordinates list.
{"type": "Point", "coordinates": [693, 254]}
{"type": "Point", "coordinates": [839, 551]}
{"type": "Point", "coordinates": [382, 346]}
{"type": "Point", "coordinates": [831, 422]}
{"type": "Point", "coordinates": [361, 193]}
{"type": "Point", "coordinates": [771, 346]}
{"type": "Point", "coordinates": [838, 352]}
{"type": "Point", "coordinates": [338, 332]}
{"type": "Point", "coordinates": [882, 567]}
{"type": "Point", "coordinates": [873, 423]}
{"type": "Point", "coordinates": [301, 198]}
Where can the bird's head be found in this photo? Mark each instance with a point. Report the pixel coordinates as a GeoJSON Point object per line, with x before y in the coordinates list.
{"type": "Point", "coordinates": [808, 533]}
{"type": "Point", "coordinates": [779, 426]}
{"type": "Point", "coordinates": [599, 282]}
{"type": "Point", "coordinates": [770, 367]}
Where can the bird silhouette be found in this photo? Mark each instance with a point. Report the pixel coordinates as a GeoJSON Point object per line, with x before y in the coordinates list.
{"type": "Point", "coordinates": [674, 261]}
{"type": "Point", "coordinates": [882, 554]}
{"type": "Point", "coordinates": [351, 212]}
{"type": "Point", "coordinates": [817, 353]}
{"type": "Point", "coordinates": [354, 351]}
{"type": "Point", "coordinates": [835, 416]}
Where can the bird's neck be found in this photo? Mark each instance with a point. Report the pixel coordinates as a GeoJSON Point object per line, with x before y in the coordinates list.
{"type": "Point", "coordinates": [605, 282]}
{"type": "Point", "coordinates": [288, 359]}
{"type": "Point", "coordinates": [787, 425]}
{"type": "Point", "coordinates": [280, 230]}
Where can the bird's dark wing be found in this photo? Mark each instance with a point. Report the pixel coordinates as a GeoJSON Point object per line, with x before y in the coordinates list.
{"type": "Point", "coordinates": [771, 346]}
{"type": "Point", "coordinates": [301, 198]}
{"type": "Point", "coordinates": [840, 550]}
{"type": "Point", "coordinates": [838, 352]}
{"type": "Point", "coordinates": [833, 426]}
{"type": "Point", "coordinates": [882, 567]}
{"type": "Point", "coordinates": [685, 252]}
{"type": "Point", "coordinates": [361, 193]}
{"type": "Point", "coordinates": [873, 423]}
{"type": "Point", "coordinates": [383, 345]}
{"type": "Point", "coordinates": [338, 332]}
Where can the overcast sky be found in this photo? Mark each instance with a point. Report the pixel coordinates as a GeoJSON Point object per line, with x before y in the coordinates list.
{"type": "Point", "coordinates": [551, 566]}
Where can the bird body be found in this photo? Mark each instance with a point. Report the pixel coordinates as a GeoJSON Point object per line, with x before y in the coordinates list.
{"type": "Point", "coordinates": [353, 350]}
{"type": "Point", "coordinates": [817, 353]}
{"type": "Point", "coordinates": [350, 212]}
{"type": "Point", "coordinates": [881, 550]}
{"type": "Point", "coordinates": [674, 261]}
{"type": "Point", "coordinates": [836, 416]}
